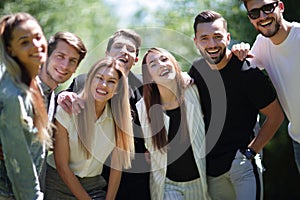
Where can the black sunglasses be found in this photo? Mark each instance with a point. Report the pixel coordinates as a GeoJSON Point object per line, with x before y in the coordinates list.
{"type": "Point", "coordinates": [267, 9]}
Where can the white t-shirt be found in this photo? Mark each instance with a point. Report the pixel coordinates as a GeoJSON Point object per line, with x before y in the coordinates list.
{"type": "Point", "coordinates": [282, 62]}
{"type": "Point", "coordinates": [103, 145]}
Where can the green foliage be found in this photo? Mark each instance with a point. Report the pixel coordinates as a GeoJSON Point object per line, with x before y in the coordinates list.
{"type": "Point", "coordinates": [171, 27]}
{"type": "Point", "coordinates": [91, 20]}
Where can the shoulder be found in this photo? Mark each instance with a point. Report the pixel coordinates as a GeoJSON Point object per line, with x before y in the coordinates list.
{"type": "Point", "coordinates": [140, 105]}
{"type": "Point", "coordinates": [10, 94]}
{"type": "Point", "coordinates": [191, 93]}
{"type": "Point", "coordinates": [63, 117]}
{"type": "Point", "coordinates": [8, 87]}
{"type": "Point", "coordinates": [198, 63]}
{"type": "Point", "coordinates": [135, 80]}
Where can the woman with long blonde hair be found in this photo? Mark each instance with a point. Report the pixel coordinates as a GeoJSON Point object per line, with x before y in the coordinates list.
{"type": "Point", "coordinates": [83, 142]}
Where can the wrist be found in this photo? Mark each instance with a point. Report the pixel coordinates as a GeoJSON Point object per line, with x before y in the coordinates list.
{"type": "Point", "coordinates": [248, 153]}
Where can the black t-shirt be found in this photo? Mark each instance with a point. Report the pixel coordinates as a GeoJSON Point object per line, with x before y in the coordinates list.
{"type": "Point", "coordinates": [246, 93]}
{"type": "Point", "coordinates": [181, 162]}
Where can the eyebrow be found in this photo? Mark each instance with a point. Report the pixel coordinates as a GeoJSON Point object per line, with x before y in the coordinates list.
{"type": "Point", "coordinates": [110, 77]}
{"type": "Point", "coordinates": [156, 59]}
{"type": "Point", "coordinates": [23, 37]}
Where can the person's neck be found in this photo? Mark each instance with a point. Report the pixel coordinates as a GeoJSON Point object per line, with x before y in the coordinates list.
{"type": "Point", "coordinates": [225, 60]}
{"type": "Point", "coordinates": [169, 95]}
{"type": "Point", "coordinates": [99, 108]}
{"type": "Point", "coordinates": [46, 79]}
{"type": "Point", "coordinates": [282, 33]}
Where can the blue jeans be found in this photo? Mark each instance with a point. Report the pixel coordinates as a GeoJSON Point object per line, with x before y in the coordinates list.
{"type": "Point", "coordinates": [296, 146]}
{"type": "Point", "coordinates": [242, 181]}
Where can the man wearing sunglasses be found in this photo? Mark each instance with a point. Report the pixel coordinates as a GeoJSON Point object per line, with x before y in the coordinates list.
{"type": "Point", "coordinates": [277, 49]}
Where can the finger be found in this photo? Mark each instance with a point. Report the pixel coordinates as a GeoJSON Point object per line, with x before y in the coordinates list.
{"type": "Point", "coordinates": [250, 55]}
{"type": "Point", "coordinates": [76, 108]}
{"type": "Point", "coordinates": [66, 108]}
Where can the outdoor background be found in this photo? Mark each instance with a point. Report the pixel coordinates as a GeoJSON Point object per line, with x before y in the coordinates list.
{"type": "Point", "coordinates": [167, 24]}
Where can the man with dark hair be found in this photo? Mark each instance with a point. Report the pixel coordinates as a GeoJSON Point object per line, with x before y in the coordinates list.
{"type": "Point", "coordinates": [232, 152]}
{"type": "Point", "coordinates": [123, 45]}
{"type": "Point", "coordinates": [275, 50]}
{"type": "Point", "coordinates": [65, 52]}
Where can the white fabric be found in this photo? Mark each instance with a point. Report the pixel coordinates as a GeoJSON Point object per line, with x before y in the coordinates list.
{"type": "Point", "coordinates": [104, 143]}
{"type": "Point", "coordinates": [282, 62]}
{"type": "Point", "coordinates": [197, 135]}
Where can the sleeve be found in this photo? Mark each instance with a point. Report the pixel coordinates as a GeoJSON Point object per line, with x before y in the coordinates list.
{"type": "Point", "coordinates": [77, 84]}
{"type": "Point", "coordinates": [256, 49]}
{"type": "Point", "coordinates": [16, 134]}
{"type": "Point", "coordinates": [258, 88]}
{"type": "Point", "coordinates": [63, 117]}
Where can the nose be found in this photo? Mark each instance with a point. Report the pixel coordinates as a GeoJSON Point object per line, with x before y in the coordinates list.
{"type": "Point", "coordinates": [36, 42]}
{"type": "Point", "coordinates": [211, 42]}
{"type": "Point", "coordinates": [124, 50]}
{"type": "Point", "coordinates": [64, 63]}
{"type": "Point", "coordinates": [102, 83]}
{"type": "Point", "coordinates": [262, 14]}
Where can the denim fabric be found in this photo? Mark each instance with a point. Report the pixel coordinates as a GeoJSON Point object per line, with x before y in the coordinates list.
{"type": "Point", "coordinates": [296, 146]}
{"type": "Point", "coordinates": [240, 182]}
{"type": "Point", "coordinates": [23, 153]}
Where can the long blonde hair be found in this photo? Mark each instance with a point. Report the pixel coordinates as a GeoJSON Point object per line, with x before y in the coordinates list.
{"type": "Point", "coordinates": [121, 112]}
{"type": "Point", "coordinates": [20, 75]}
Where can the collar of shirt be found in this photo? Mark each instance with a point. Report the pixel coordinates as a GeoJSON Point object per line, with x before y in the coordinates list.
{"type": "Point", "coordinates": [106, 114]}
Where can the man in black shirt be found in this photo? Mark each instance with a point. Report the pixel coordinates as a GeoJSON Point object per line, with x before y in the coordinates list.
{"type": "Point", "coordinates": [241, 95]}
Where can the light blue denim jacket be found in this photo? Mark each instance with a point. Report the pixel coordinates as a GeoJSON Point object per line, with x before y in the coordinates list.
{"type": "Point", "coordinates": [23, 153]}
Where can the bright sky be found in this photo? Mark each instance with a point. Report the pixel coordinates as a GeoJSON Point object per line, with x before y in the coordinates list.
{"type": "Point", "coordinates": [126, 8]}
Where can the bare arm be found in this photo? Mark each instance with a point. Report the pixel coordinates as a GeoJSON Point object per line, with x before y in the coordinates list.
{"type": "Point", "coordinates": [114, 177]}
{"type": "Point", "coordinates": [274, 118]}
{"type": "Point", "coordinates": [62, 156]}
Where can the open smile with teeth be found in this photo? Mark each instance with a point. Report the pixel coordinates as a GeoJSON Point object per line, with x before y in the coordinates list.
{"type": "Point", "coordinates": [101, 92]}
{"type": "Point", "coordinates": [37, 54]}
{"type": "Point", "coordinates": [123, 60]}
{"type": "Point", "coordinates": [266, 22]}
{"type": "Point", "coordinates": [214, 51]}
{"type": "Point", "coordinates": [164, 72]}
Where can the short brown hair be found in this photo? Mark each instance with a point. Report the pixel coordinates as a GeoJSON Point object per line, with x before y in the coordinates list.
{"type": "Point", "coordinates": [206, 17]}
{"type": "Point", "coordinates": [69, 38]}
{"type": "Point", "coordinates": [126, 33]}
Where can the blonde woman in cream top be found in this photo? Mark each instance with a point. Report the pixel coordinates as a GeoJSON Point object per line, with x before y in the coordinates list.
{"type": "Point", "coordinates": [83, 142]}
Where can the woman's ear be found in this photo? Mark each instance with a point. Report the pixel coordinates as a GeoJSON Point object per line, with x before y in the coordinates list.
{"type": "Point", "coordinates": [136, 59]}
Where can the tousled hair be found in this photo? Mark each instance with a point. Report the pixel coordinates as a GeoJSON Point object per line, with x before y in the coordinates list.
{"type": "Point", "coordinates": [71, 39]}
{"type": "Point", "coordinates": [125, 33]}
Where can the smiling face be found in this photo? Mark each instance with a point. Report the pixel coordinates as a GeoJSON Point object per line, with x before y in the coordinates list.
{"type": "Point", "coordinates": [212, 40]}
{"type": "Point", "coordinates": [62, 63]}
{"type": "Point", "coordinates": [160, 67]}
{"type": "Point", "coordinates": [104, 84]}
{"type": "Point", "coordinates": [267, 24]}
{"type": "Point", "coordinates": [29, 46]}
{"type": "Point", "coordinates": [124, 49]}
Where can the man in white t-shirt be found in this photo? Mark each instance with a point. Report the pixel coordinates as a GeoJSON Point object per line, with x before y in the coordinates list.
{"type": "Point", "coordinates": [276, 49]}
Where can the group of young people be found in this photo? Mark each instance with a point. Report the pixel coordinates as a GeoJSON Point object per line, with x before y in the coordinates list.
{"type": "Point", "coordinates": [165, 136]}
